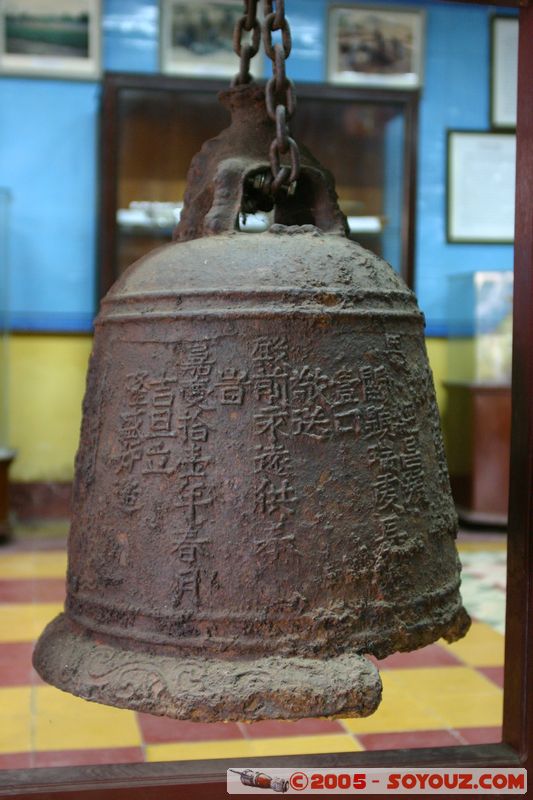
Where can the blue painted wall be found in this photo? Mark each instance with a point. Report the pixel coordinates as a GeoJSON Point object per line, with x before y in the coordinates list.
{"type": "Point", "coordinates": [48, 156]}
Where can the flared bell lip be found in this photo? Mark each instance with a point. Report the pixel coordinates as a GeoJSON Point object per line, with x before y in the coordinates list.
{"type": "Point", "coordinates": [205, 689]}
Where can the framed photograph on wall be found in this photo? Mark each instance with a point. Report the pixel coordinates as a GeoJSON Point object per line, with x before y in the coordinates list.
{"type": "Point", "coordinates": [196, 38]}
{"type": "Point", "coordinates": [503, 72]}
{"type": "Point", "coordinates": [376, 47]}
{"type": "Point", "coordinates": [481, 187]}
{"type": "Point", "coordinates": [50, 38]}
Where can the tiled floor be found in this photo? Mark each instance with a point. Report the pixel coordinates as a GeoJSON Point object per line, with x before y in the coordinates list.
{"type": "Point", "coordinates": [440, 695]}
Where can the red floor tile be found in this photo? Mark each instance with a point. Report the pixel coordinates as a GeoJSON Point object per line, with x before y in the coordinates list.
{"type": "Point", "coordinates": [494, 674]}
{"type": "Point", "coordinates": [156, 730]}
{"type": "Point", "coordinates": [15, 760]}
{"type": "Point", "coordinates": [408, 740]}
{"type": "Point", "coordinates": [15, 664]}
{"type": "Point", "coordinates": [431, 656]}
{"type": "Point", "coordinates": [480, 735]}
{"type": "Point", "coordinates": [279, 727]}
{"type": "Point", "coordinates": [40, 590]}
{"type": "Point", "coordinates": [78, 758]}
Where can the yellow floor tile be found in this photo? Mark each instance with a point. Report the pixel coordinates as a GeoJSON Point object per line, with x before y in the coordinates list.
{"type": "Point", "coordinates": [250, 748]}
{"type": "Point", "coordinates": [196, 751]}
{"type": "Point", "coordinates": [15, 719]}
{"type": "Point", "coordinates": [481, 647]}
{"type": "Point", "coordinates": [297, 745]}
{"type": "Point", "coordinates": [51, 564]}
{"type": "Point", "coordinates": [467, 710]}
{"type": "Point", "coordinates": [499, 545]}
{"type": "Point", "coordinates": [426, 683]}
{"type": "Point", "coordinates": [452, 697]}
{"type": "Point", "coordinates": [64, 722]}
{"type": "Point", "coordinates": [24, 622]}
{"type": "Point", "coordinates": [399, 711]}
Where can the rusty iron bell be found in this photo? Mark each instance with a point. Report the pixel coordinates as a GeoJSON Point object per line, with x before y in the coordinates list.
{"type": "Point", "coordinates": [261, 493]}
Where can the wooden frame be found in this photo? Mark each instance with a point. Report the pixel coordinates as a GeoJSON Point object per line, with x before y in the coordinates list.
{"type": "Point", "coordinates": [115, 83]}
{"type": "Point", "coordinates": [497, 61]}
{"type": "Point", "coordinates": [65, 61]}
{"type": "Point", "coordinates": [453, 162]}
{"type": "Point", "coordinates": [376, 80]}
{"type": "Point", "coordinates": [206, 779]}
{"type": "Point", "coordinates": [219, 63]}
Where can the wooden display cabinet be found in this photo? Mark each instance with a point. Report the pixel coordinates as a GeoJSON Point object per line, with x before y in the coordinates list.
{"type": "Point", "coordinates": [477, 427]}
{"type": "Point", "coordinates": [151, 126]}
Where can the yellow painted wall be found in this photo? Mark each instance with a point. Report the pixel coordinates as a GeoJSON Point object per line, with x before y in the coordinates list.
{"type": "Point", "coordinates": [46, 385]}
{"type": "Point", "coordinates": [47, 381]}
{"type": "Point", "coordinates": [438, 361]}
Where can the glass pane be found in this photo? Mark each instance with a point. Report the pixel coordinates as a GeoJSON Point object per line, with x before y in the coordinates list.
{"type": "Point", "coordinates": [362, 144]}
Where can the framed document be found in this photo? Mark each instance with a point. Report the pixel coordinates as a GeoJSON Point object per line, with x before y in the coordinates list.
{"type": "Point", "coordinates": [481, 187]}
{"type": "Point", "coordinates": [503, 72]}
{"type": "Point", "coordinates": [51, 38]}
{"type": "Point", "coordinates": [376, 47]}
{"type": "Point", "coordinates": [196, 38]}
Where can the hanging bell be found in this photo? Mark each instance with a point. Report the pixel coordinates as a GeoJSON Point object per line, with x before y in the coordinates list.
{"type": "Point", "coordinates": [261, 493]}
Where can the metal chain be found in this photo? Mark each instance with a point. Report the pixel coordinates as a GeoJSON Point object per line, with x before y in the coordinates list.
{"type": "Point", "coordinates": [280, 98]}
{"type": "Point", "coordinates": [246, 24]}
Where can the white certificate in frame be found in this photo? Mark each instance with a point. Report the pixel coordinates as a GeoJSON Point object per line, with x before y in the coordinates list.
{"type": "Point", "coordinates": [504, 72]}
{"type": "Point", "coordinates": [481, 187]}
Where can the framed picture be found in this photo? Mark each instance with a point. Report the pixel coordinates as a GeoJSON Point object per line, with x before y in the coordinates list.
{"type": "Point", "coordinates": [481, 187]}
{"type": "Point", "coordinates": [375, 47]}
{"type": "Point", "coordinates": [50, 38]}
{"type": "Point", "coordinates": [196, 38]}
{"type": "Point", "coordinates": [503, 72]}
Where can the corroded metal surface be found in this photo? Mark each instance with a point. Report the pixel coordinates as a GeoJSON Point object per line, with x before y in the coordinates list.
{"type": "Point", "coordinates": [261, 491]}
{"type": "Point", "coordinates": [273, 686]}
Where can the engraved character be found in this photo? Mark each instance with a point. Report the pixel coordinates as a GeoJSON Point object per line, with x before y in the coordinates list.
{"type": "Point", "coordinates": [308, 384]}
{"type": "Point", "coordinates": [193, 465]}
{"type": "Point", "coordinates": [137, 388]}
{"type": "Point", "coordinates": [272, 458]}
{"type": "Point", "coordinates": [345, 388]}
{"type": "Point", "coordinates": [193, 496]}
{"type": "Point", "coordinates": [129, 496]}
{"type": "Point", "coordinates": [157, 458]}
{"type": "Point", "coordinates": [196, 394]}
{"type": "Point", "coordinates": [394, 349]}
{"type": "Point", "coordinates": [273, 539]}
{"type": "Point", "coordinates": [192, 428]}
{"type": "Point", "coordinates": [271, 420]}
{"type": "Point", "coordinates": [131, 423]}
{"type": "Point", "coordinates": [272, 498]}
{"type": "Point", "coordinates": [386, 491]}
{"type": "Point", "coordinates": [272, 389]}
{"type": "Point", "coordinates": [373, 389]}
{"type": "Point", "coordinates": [231, 387]}
{"type": "Point", "coordinates": [311, 422]}
{"type": "Point", "coordinates": [187, 552]}
{"type": "Point", "coordinates": [187, 583]}
{"type": "Point", "coordinates": [345, 421]}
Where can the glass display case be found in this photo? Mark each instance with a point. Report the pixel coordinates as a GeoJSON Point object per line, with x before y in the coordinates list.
{"type": "Point", "coordinates": [477, 420]}
{"type": "Point", "coordinates": [152, 126]}
{"type": "Point", "coordinates": [480, 311]}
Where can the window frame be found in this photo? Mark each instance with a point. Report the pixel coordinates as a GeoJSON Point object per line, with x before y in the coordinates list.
{"type": "Point", "coordinates": [207, 779]}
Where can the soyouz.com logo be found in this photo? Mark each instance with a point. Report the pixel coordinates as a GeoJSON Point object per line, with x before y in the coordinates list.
{"type": "Point", "coordinates": [247, 780]}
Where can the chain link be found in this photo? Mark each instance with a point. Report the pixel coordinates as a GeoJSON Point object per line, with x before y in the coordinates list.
{"type": "Point", "coordinates": [280, 98]}
{"type": "Point", "coordinates": [247, 24]}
